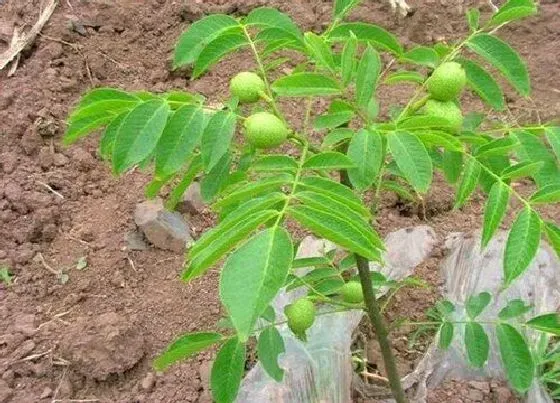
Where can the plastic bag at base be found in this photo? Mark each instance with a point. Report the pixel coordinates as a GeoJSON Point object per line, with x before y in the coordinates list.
{"type": "Point", "coordinates": [320, 370]}
{"type": "Point", "coordinates": [469, 271]}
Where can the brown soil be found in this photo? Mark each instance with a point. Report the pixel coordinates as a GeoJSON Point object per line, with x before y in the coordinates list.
{"type": "Point", "coordinates": [94, 335]}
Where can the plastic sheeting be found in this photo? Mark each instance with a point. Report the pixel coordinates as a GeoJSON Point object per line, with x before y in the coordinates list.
{"type": "Point", "coordinates": [467, 271]}
{"type": "Point", "coordinates": [320, 370]}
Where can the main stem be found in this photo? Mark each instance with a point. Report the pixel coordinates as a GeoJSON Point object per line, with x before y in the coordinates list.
{"type": "Point", "coordinates": [374, 312]}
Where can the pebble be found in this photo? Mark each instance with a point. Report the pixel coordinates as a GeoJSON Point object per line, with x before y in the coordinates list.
{"type": "Point", "coordinates": [149, 382]}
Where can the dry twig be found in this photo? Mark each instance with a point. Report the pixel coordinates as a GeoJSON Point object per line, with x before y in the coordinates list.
{"type": "Point", "coordinates": [20, 42]}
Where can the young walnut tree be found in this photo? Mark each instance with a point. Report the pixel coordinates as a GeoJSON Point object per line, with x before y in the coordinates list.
{"type": "Point", "coordinates": [336, 159]}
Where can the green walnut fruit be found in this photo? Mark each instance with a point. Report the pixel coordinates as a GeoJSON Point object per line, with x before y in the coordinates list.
{"type": "Point", "coordinates": [447, 110]}
{"type": "Point", "coordinates": [352, 292]}
{"type": "Point", "coordinates": [300, 315]}
{"type": "Point", "coordinates": [247, 87]}
{"type": "Point", "coordinates": [447, 81]}
{"type": "Point", "coordinates": [265, 130]}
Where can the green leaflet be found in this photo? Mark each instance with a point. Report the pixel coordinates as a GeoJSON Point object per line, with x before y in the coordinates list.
{"type": "Point", "coordinates": [477, 344]}
{"type": "Point", "coordinates": [343, 7]}
{"type": "Point", "coordinates": [270, 18]}
{"type": "Point", "coordinates": [513, 309]}
{"type": "Point", "coordinates": [514, 10]}
{"type": "Point", "coordinates": [522, 244]}
{"type": "Point", "coordinates": [237, 216]}
{"type": "Point", "coordinates": [504, 58]}
{"type": "Point", "coordinates": [370, 33]}
{"type": "Point", "coordinates": [422, 55]}
{"type": "Point", "coordinates": [199, 263]}
{"type": "Point", "coordinates": [348, 60]}
{"type": "Point", "coordinates": [272, 163]}
{"type": "Point", "coordinates": [335, 229]}
{"type": "Point", "coordinates": [495, 210]}
{"type": "Point", "coordinates": [445, 335]}
{"type": "Point", "coordinates": [217, 49]}
{"type": "Point", "coordinates": [333, 120]}
{"type": "Point", "coordinates": [320, 50]}
{"type": "Point", "coordinates": [331, 206]}
{"type": "Point", "coordinates": [546, 194]}
{"type": "Point", "coordinates": [199, 35]}
{"type": "Point", "coordinates": [335, 191]}
{"type": "Point", "coordinates": [305, 85]}
{"type": "Point", "coordinates": [366, 153]}
{"type": "Point", "coordinates": [553, 137]}
{"type": "Point", "coordinates": [477, 303]}
{"type": "Point", "coordinates": [184, 347]}
{"type": "Point", "coordinates": [217, 137]}
{"type": "Point", "coordinates": [468, 183]}
{"type": "Point", "coordinates": [553, 236]}
{"type": "Point", "coordinates": [138, 134]}
{"type": "Point", "coordinates": [214, 181]}
{"type": "Point", "coordinates": [107, 142]}
{"type": "Point", "coordinates": [176, 194]}
{"type": "Point", "coordinates": [412, 159]}
{"type": "Point", "coordinates": [259, 268]}
{"type": "Point", "coordinates": [227, 371]}
{"type": "Point", "coordinates": [473, 19]}
{"type": "Point", "coordinates": [179, 139]}
{"type": "Point", "coordinates": [253, 189]}
{"type": "Point", "coordinates": [81, 127]}
{"type": "Point", "coordinates": [328, 160]}
{"type": "Point", "coordinates": [501, 146]}
{"type": "Point", "coordinates": [522, 169]}
{"type": "Point", "coordinates": [452, 165]}
{"type": "Point", "coordinates": [404, 77]}
{"type": "Point", "coordinates": [336, 136]}
{"type": "Point", "coordinates": [104, 94]}
{"type": "Point", "coordinates": [483, 84]}
{"type": "Point", "coordinates": [269, 347]}
{"type": "Point", "coordinates": [367, 74]}
{"type": "Point", "coordinates": [533, 150]}
{"type": "Point", "coordinates": [516, 357]}
{"type": "Point", "coordinates": [547, 323]}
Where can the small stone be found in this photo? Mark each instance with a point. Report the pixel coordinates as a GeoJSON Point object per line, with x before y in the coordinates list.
{"type": "Point", "coordinates": [45, 158]}
{"type": "Point", "coordinates": [9, 162]}
{"type": "Point", "coordinates": [502, 395]}
{"type": "Point", "coordinates": [164, 229]}
{"type": "Point", "coordinates": [5, 392]}
{"type": "Point", "coordinates": [148, 382]}
{"type": "Point", "coordinates": [482, 386]}
{"type": "Point", "coordinates": [47, 392]}
{"type": "Point", "coordinates": [25, 324]}
{"type": "Point", "coordinates": [192, 200]}
{"type": "Point", "coordinates": [135, 241]}
{"type": "Point", "coordinates": [60, 160]}
{"type": "Point", "coordinates": [78, 27]}
{"type": "Point", "coordinates": [475, 395]}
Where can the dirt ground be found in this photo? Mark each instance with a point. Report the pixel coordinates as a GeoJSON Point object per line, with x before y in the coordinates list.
{"type": "Point", "coordinates": [94, 334]}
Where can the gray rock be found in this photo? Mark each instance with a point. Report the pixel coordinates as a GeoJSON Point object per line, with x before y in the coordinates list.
{"type": "Point", "coordinates": [135, 241]}
{"type": "Point", "coordinates": [164, 229]}
{"type": "Point", "coordinates": [192, 200]}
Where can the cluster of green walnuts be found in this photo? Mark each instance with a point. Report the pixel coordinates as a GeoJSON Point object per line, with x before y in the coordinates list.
{"type": "Point", "coordinates": [265, 130]}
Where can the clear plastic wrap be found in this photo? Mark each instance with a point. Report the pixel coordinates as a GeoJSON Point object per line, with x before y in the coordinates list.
{"type": "Point", "coordinates": [467, 271]}
{"type": "Point", "coordinates": [320, 370]}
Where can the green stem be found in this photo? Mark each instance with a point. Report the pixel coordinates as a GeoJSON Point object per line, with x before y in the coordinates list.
{"type": "Point", "coordinates": [269, 95]}
{"type": "Point", "coordinates": [376, 318]}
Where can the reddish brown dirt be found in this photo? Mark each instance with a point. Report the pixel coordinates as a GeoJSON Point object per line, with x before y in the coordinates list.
{"type": "Point", "coordinates": [135, 297]}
